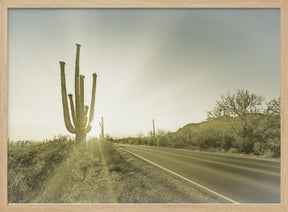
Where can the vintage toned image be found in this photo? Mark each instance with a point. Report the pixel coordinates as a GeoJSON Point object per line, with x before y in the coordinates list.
{"type": "Point", "coordinates": [144, 106]}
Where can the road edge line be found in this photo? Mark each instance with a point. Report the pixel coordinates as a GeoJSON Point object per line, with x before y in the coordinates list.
{"type": "Point", "coordinates": [184, 178]}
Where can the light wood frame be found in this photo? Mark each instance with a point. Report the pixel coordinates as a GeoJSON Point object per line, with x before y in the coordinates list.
{"type": "Point", "coordinates": [6, 4]}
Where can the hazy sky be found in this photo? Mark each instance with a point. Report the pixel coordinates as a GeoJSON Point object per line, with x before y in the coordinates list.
{"type": "Point", "coordinates": [167, 64]}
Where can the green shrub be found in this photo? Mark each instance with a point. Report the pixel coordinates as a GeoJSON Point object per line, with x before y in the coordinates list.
{"type": "Point", "coordinates": [29, 166]}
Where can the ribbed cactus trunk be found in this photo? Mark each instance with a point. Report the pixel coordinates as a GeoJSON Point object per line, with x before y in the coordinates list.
{"type": "Point", "coordinates": [81, 136]}
{"type": "Point", "coordinates": [81, 123]}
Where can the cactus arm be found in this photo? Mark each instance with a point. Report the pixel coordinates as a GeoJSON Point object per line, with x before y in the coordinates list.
{"type": "Point", "coordinates": [86, 110]}
{"type": "Point", "coordinates": [85, 115]}
{"type": "Point", "coordinates": [81, 99]}
{"type": "Point", "coordinates": [91, 115]}
{"type": "Point", "coordinates": [67, 120]}
{"type": "Point", "coordinates": [88, 128]}
{"type": "Point", "coordinates": [77, 93]}
{"type": "Point", "coordinates": [72, 109]}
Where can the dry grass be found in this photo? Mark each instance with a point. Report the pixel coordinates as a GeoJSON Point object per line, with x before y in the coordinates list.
{"type": "Point", "coordinates": [99, 172]}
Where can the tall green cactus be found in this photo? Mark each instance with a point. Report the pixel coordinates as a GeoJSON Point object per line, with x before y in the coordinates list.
{"type": "Point", "coordinates": [81, 123]}
{"type": "Point", "coordinates": [102, 127]}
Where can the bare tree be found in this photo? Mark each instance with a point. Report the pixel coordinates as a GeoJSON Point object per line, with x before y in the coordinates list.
{"type": "Point", "coordinates": [239, 104]}
{"type": "Point", "coordinates": [273, 107]}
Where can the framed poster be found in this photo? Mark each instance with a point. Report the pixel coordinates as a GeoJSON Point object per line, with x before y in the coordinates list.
{"type": "Point", "coordinates": [143, 106]}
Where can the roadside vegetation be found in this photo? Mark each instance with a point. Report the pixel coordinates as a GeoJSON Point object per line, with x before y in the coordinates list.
{"type": "Point", "coordinates": [61, 171]}
{"type": "Point", "coordinates": [30, 164]}
{"type": "Point", "coordinates": [239, 123]}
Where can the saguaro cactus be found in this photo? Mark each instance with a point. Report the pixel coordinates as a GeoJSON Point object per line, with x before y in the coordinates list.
{"type": "Point", "coordinates": [102, 127]}
{"type": "Point", "coordinates": [81, 123]}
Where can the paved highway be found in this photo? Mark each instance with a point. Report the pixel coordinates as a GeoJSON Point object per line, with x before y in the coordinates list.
{"type": "Point", "coordinates": [242, 179]}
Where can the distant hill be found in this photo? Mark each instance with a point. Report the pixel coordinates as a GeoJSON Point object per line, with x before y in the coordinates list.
{"type": "Point", "coordinates": [253, 133]}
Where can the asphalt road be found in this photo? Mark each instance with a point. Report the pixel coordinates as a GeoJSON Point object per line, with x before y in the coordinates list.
{"type": "Point", "coordinates": [244, 180]}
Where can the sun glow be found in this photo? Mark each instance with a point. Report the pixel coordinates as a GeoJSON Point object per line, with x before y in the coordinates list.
{"type": "Point", "coordinates": [161, 64]}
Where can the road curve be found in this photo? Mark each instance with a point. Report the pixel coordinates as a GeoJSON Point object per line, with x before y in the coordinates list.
{"type": "Point", "coordinates": [244, 180]}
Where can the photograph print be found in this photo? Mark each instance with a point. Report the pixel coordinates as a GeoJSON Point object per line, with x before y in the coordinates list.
{"type": "Point", "coordinates": [144, 106]}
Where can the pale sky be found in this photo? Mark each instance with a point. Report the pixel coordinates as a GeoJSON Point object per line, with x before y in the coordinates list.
{"type": "Point", "coordinates": [167, 64]}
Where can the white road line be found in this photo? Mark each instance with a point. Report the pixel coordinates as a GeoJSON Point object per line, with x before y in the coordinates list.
{"type": "Point", "coordinates": [184, 178]}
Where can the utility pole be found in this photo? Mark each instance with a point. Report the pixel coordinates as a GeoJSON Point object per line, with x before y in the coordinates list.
{"type": "Point", "coordinates": [154, 134]}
